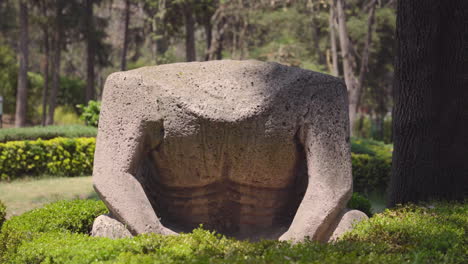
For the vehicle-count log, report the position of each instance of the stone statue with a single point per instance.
(247, 148)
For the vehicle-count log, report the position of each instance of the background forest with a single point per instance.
(61, 51)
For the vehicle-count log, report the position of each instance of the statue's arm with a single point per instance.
(121, 142)
(325, 138)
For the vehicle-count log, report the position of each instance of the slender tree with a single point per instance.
(430, 120)
(90, 33)
(57, 41)
(46, 40)
(354, 78)
(23, 54)
(332, 28)
(189, 22)
(123, 64)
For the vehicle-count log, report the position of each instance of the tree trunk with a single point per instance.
(123, 65)
(22, 93)
(57, 46)
(353, 83)
(189, 33)
(334, 51)
(430, 123)
(208, 33)
(46, 72)
(90, 52)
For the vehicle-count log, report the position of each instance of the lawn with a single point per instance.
(23, 195)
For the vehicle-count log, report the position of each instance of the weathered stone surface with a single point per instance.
(106, 226)
(346, 221)
(250, 149)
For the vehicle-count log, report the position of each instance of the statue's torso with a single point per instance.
(228, 157)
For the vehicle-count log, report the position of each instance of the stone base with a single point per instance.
(346, 222)
(106, 226)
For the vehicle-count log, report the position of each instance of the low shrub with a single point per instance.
(59, 156)
(90, 113)
(410, 234)
(47, 132)
(74, 157)
(370, 173)
(2, 213)
(75, 216)
(361, 203)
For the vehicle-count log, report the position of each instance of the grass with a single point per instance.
(27, 194)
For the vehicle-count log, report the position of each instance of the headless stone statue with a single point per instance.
(249, 149)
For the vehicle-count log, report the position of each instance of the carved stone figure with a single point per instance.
(247, 148)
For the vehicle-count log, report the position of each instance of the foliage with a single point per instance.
(59, 156)
(71, 91)
(8, 78)
(371, 162)
(75, 216)
(66, 115)
(74, 157)
(436, 232)
(2, 213)
(410, 234)
(370, 173)
(47, 132)
(91, 112)
(361, 203)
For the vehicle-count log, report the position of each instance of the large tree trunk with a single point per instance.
(189, 33)
(56, 57)
(430, 123)
(22, 92)
(123, 65)
(90, 52)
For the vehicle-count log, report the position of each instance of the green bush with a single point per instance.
(74, 157)
(361, 203)
(370, 173)
(410, 234)
(372, 163)
(75, 216)
(59, 156)
(90, 113)
(2, 213)
(47, 132)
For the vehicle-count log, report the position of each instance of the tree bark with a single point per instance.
(22, 92)
(430, 120)
(334, 51)
(57, 46)
(208, 32)
(123, 65)
(353, 83)
(46, 67)
(189, 33)
(216, 47)
(90, 52)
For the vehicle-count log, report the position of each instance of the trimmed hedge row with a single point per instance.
(74, 157)
(410, 234)
(47, 132)
(59, 156)
(2, 213)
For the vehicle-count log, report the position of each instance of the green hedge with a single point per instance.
(47, 132)
(371, 160)
(59, 156)
(410, 234)
(61, 217)
(2, 213)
